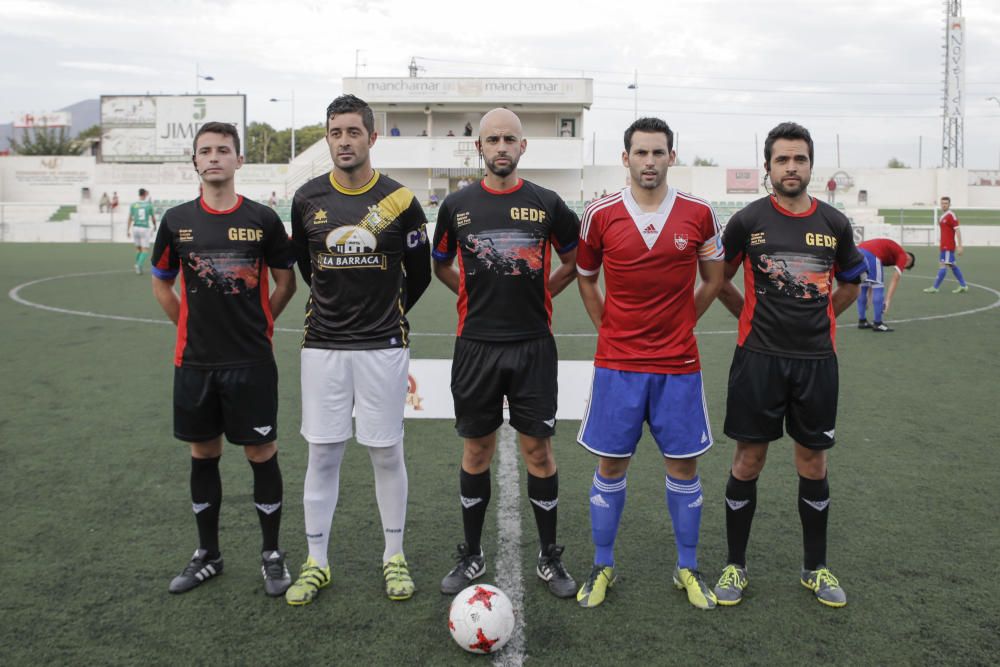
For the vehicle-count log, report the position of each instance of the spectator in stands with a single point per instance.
(114, 201)
(423, 133)
(272, 201)
(831, 190)
(468, 130)
(105, 203)
(394, 132)
(433, 199)
(450, 133)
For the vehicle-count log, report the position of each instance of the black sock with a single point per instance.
(741, 503)
(267, 495)
(814, 503)
(206, 499)
(543, 492)
(475, 490)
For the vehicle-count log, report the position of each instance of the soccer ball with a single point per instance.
(481, 619)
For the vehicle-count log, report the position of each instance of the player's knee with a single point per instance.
(682, 468)
(749, 462)
(261, 453)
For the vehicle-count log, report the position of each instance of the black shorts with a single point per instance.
(482, 373)
(765, 390)
(240, 402)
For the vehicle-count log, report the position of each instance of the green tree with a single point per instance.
(260, 142)
(895, 163)
(704, 162)
(52, 141)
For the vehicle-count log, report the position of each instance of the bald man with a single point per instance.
(503, 227)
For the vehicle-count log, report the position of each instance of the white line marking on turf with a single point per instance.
(15, 294)
(508, 570)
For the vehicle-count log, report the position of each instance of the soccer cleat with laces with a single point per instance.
(198, 571)
(551, 570)
(398, 583)
(881, 327)
(698, 592)
(306, 587)
(593, 592)
(825, 586)
(931, 290)
(960, 289)
(276, 577)
(469, 566)
(863, 324)
(729, 590)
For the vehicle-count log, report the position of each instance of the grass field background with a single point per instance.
(929, 216)
(97, 512)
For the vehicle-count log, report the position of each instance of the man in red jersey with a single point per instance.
(652, 241)
(951, 249)
(784, 368)
(503, 231)
(225, 378)
(878, 254)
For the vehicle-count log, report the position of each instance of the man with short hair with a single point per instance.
(951, 249)
(652, 241)
(361, 243)
(784, 368)
(141, 225)
(225, 379)
(503, 230)
(880, 253)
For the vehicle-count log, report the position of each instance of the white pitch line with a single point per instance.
(508, 569)
(15, 294)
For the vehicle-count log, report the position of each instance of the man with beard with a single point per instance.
(785, 365)
(652, 241)
(361, 243)
(503, 228)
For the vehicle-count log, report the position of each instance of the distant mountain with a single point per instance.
(84, 114)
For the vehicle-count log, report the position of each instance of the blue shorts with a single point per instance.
(874, 264)
(620, 401)
(948, 257)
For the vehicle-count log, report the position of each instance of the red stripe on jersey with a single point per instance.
(463, 296)
(442, 246)
(182, 321)
(209, 209)
(514, 188)
(784, 211)
(164, 263)
(749, 303)
(831, 314)
(265, 298)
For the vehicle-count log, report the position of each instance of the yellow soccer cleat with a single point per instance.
(398, 583)
(306, 587)
(825, 586)
(729, 590)
(592, 593)
(698, 592)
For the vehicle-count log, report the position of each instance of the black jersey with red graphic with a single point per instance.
(789, 262)
(222, 258)
(503, 241)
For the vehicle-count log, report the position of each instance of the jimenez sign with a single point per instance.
(161, 128)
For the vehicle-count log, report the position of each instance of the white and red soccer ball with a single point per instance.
(481, 619)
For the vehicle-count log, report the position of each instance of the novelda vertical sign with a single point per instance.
(161, 128)
(956, 67)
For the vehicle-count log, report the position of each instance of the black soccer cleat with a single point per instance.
(469, 566)
(551, 570)
(276, 576)
(863, 324)
(198, 571)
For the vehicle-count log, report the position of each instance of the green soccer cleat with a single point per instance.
(825, 586)
(729, 590)
(698, 592)
(931, 290)
(960, 289)
(306, 587)
(398, 583)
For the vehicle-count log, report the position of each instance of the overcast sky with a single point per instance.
(718, 71)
